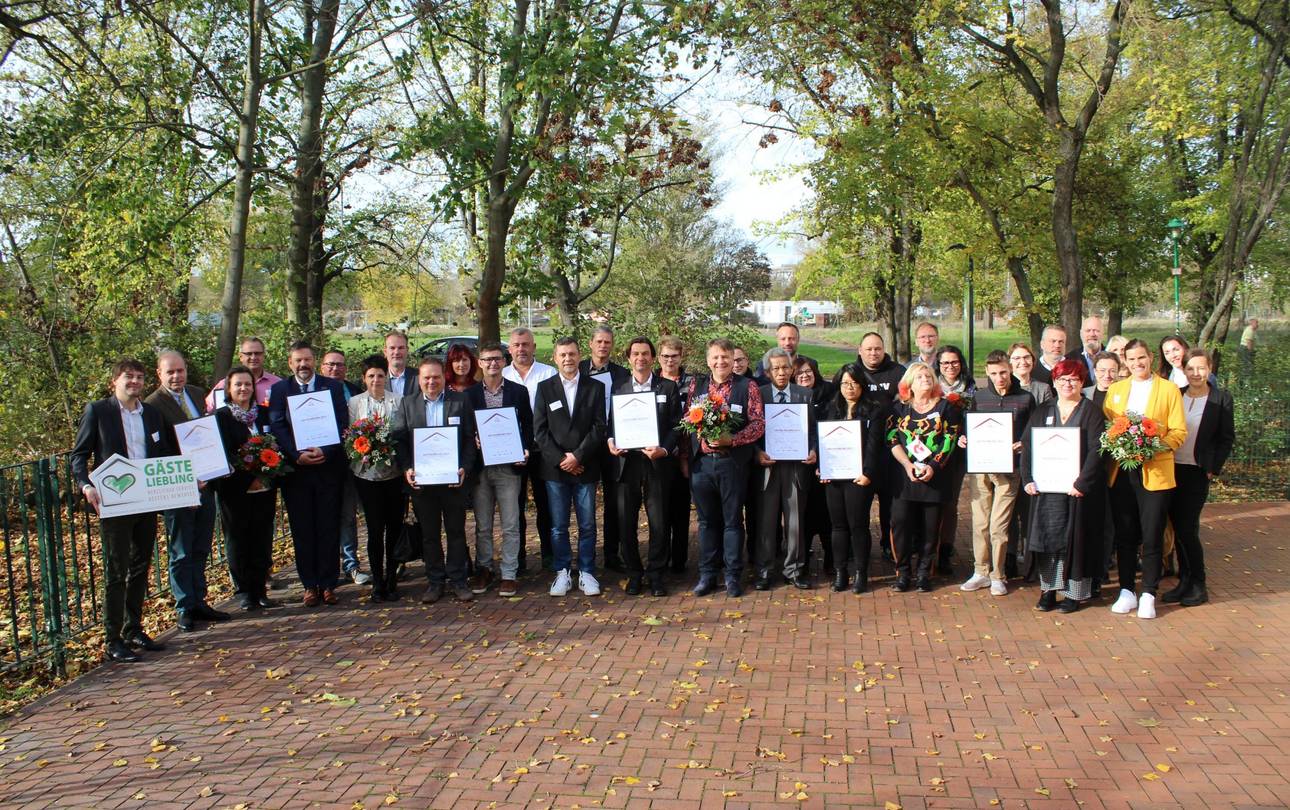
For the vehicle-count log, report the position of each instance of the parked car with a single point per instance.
(439, 347)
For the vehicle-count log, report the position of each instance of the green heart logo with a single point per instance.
(119, 483)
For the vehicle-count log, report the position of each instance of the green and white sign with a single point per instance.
(130, 486)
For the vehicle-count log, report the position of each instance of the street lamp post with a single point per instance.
(1176, 227)
(969, 307)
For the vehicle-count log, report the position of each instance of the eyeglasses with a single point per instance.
(950, 364)
(1067, 381)
(849, 384)
(251, 354)
(1021, 358)
(484, 360)
(666, 356)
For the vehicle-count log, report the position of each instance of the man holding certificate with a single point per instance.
(434, 441)
(786, 455)
(642, 443)
(598, 366)
(306, 415)
(993, 442)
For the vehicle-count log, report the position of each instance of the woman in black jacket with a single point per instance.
(1211, 433)
(246, 503)
(849, 502)
(817, 508)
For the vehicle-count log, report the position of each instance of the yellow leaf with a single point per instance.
(1163, 768)
(521, 771)
(204, 792)
(1151, 777)
(891, 806)
(1042, 791)
(41, 763)
(391, 799)
(120, 763)
(729, 794)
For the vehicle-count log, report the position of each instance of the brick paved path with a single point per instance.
(787, 698)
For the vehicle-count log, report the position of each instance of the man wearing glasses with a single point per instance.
(251, 355)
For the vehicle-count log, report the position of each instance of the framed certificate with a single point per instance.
(989, 443)
(434, 455)
(786, 432)
(499, 436)
(841, 454)
(313, 422)
(199, 441)
(635, 422)
(1054, 455)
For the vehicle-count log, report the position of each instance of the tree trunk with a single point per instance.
(490, 281)
(248, 121)
(1114, 322)
(1064, 240)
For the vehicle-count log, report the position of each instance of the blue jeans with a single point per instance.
(718, 483)
(349, 526)
(190, 532)
(583, 499)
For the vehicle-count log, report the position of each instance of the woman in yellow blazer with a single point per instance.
(1140, 498)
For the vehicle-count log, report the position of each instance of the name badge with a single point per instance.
(1048, 420)
(454, 420)
(737, 408)
(156, 437)
(555, 406)
(660, 397)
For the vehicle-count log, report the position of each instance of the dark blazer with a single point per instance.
(667, 410)
(170, 410)
(412, 415)
(1217, 432)
(409, 377)
(234, 434)
(797, 395)
(101, 435)
(555, 433)
(514, 396)
(280, 417)
(617, 373)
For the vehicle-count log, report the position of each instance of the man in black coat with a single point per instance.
(596, 366)
(881, 385)
(569, 430)
(646, 472)
(312, 491)
(784, 484)
(440, 508)
(123, 425)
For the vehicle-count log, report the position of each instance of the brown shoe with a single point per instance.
(311, 597)
(481, 582)
(329, 597)
(433, 594)
(508, 588)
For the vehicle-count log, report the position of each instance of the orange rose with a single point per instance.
(362, 445)
(695, 416)
(270, 457)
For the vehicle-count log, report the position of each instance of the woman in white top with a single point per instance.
(1172, 350)
(380, 490)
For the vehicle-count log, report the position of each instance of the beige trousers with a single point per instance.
(993, 497)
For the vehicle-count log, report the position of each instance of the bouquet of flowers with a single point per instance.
(961, 401)
(1131, 440)
(711, 419)
(367, 441)
(261, 457)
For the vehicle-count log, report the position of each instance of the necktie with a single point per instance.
(781, 397)
(186, 406)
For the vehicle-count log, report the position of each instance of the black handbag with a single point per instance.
(408, 545)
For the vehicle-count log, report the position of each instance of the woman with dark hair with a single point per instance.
(822, 391)
(817, 509)
(461, 367)
(1210, 436)
(1066, 527)
(1022, 359)
(1140, 497)
(380, 487)
(1172, 350)
(955, 378)
(849, 502)
(246, 503)
(922, 433)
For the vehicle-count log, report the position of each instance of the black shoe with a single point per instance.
(377, 595)
(266, 602)
(1196, 595)
(462, 592)
(433, 594)
(705, 587)
(801, 582)
(615, 563)
(1097, 590)
(656, 588)
(733, 588)
(861, 584)
(185, 621)
(924, 585)
(1047, 601)
(945, 567)
(210, 614)
(142, 641)
(840, 582)
(1175, 594)
(118, 651)
(248, 603)
(902, 585)
(762, 583)
(677, 568)
(1068, 606)
(276, 584)
(633, 586)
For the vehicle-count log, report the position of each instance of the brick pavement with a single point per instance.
(785, 698)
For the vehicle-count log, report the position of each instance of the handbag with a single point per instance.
(408, 545)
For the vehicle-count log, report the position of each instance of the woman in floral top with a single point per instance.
(922, 432)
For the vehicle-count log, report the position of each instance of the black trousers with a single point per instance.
(849, 508)
(1184, 510)
(384, 505)
(678, 521)
(643, 482)
(248, 539)
(818, 522)
(127, 553)
(542, 508)
(313, 499)
(949, 521)
(1139, 523)
(915, 524)
(441, 511)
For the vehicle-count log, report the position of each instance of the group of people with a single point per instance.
(754, 511)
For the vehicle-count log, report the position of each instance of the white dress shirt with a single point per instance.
(643, 387)
(537, 373)
(571, 390)
(136, 444)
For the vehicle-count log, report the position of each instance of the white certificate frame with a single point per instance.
(841, 447)
(218, 398)
(199, 440)
(436, 455)
(787, 431)
(1054, 458)
(135, 486)
(989, 442)
(635, 421)
(313, 420)
(499, 436)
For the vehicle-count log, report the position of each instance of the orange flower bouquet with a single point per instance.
(367, 441)
(261, 457)
(1131, 440)
(711, 419)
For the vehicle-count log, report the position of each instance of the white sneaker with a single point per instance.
(360, 577)
(562, 583)
(1146, 606)
(998, 587)
(975, 583)
(588, 584)
(1126, 603)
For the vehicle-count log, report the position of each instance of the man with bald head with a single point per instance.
(1090, 335)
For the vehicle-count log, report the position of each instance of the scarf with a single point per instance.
(246, 417)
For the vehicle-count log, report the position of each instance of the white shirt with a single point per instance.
(537, 373)
(306, 386)
(643, 387)
(775, 392)
(1193, 410)
(570, 390)
(136, 445)
(1178, 377)
(1139, 394)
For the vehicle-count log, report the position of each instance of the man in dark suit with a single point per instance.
(596, 365)
(189, 530)
(784, 484)
(1052, 350)
(333, 367)
(671, 359)
(403, 379)
(312, 492)
(787, 336)
(440, 508)
(569, 430)
(498, 486)
(121, 424)
(649, 471)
